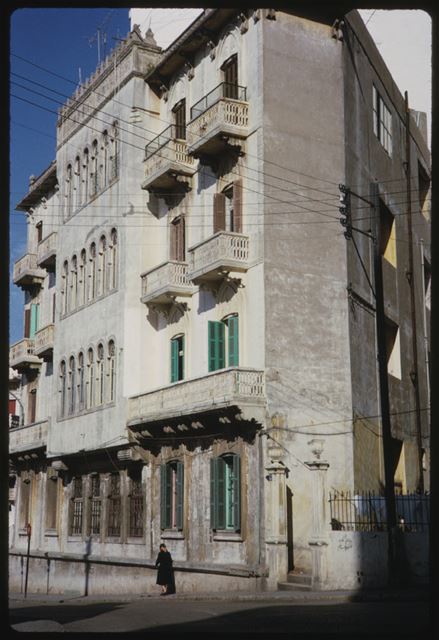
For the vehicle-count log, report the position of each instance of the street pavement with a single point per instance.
(381, 613)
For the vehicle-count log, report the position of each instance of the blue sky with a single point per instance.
(45, 42)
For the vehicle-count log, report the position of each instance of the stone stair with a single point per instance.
(296, 581)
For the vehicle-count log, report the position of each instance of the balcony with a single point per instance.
(27, 273)
(22, 355)
(44, 340)
(218, 121)
(191, 401)
(32, 436)
(215, 257)
(46, 252)
(168, 166)
(161, 285)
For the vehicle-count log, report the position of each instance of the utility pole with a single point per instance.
(384, 392)
(411, 279)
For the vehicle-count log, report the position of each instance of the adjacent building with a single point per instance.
(199, 364)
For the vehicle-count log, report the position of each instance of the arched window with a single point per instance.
(104, 160)
(69, 190)
(77, 187)
(81, 389)
(114, 152)
(82, 289)
(90, 379)
(85, 176)
(65, 289)
(94, 173)
(111, 371)
(63, 388)
(100, 383)
(112, 266)
(74, 284)
(102, 266)
(92, 273)
(72, 388)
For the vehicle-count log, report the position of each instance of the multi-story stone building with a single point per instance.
(209, 372)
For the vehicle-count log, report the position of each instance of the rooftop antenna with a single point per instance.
(101, 36)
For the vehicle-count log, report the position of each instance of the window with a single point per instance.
(223, 337)
(179, 111)
(105, 159)
(34, 319)
(85, 178)
(114, 505)
(177, 358)
(51, 498)
(114, 153)
(27, 323)
(112, 264)
(111, 371)
(393, 349)
(382, 121)
(25, 495)
(63, 388)
(95, 504)
(72, 387)
(102, 266)
(177, 248)
(32, 407)
(387, 233)
(230, 75)
(74, 284)
(100, 383)
(77, 182)
(92, 274)
(81, 389)
(65, 289)
(82, 291)
(77, 507)
(69, 190)
(136, 509)
(90, 379)
(227, 209)
(171, 495)
(39, 228)
(424, 189)
(225, 493)
(94, 177)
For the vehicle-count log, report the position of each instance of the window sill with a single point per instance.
(172, 535)
(51, 533)
(87, 304)
(226, 536)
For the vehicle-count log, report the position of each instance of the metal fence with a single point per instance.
(366, 511)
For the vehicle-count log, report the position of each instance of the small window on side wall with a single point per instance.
(177, 358)
(382, 121)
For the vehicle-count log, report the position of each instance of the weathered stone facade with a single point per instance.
(208, 374)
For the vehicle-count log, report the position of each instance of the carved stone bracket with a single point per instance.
(167, 308)
(215, 286)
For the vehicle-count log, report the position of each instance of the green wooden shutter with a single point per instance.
(233, 340)
(237, 492)
(34, 313)
(220, 495)
(180, 495)
(213, 493)
(216, 345)
(174, 360)
(165, 496)
(181, 359)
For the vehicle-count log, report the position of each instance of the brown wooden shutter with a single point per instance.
(237, 206)
(26, 323)
(181, 251)
(219, 212)
(32, 405)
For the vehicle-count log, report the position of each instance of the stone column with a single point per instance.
(276, 517)
(319, 538)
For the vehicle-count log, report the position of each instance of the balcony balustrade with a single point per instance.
(223, 252)
(165, 282)
(242, 388)
(27, 273)
(46, 252)
(44, 340)
(168, 165)
(217, 120)
(28, 437)
(22, 355)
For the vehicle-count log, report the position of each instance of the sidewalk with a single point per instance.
(411, 594)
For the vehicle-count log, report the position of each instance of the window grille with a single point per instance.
(114, 506)
(95, 505)
(136, 509)
(78, 507)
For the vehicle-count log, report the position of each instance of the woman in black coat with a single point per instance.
(165, 573)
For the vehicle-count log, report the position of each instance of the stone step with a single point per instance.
(299, 578)
(293, 586)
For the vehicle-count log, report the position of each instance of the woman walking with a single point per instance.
(165, 574)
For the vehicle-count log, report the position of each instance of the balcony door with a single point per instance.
(230, 75)
(177, 248)
(180, 119)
